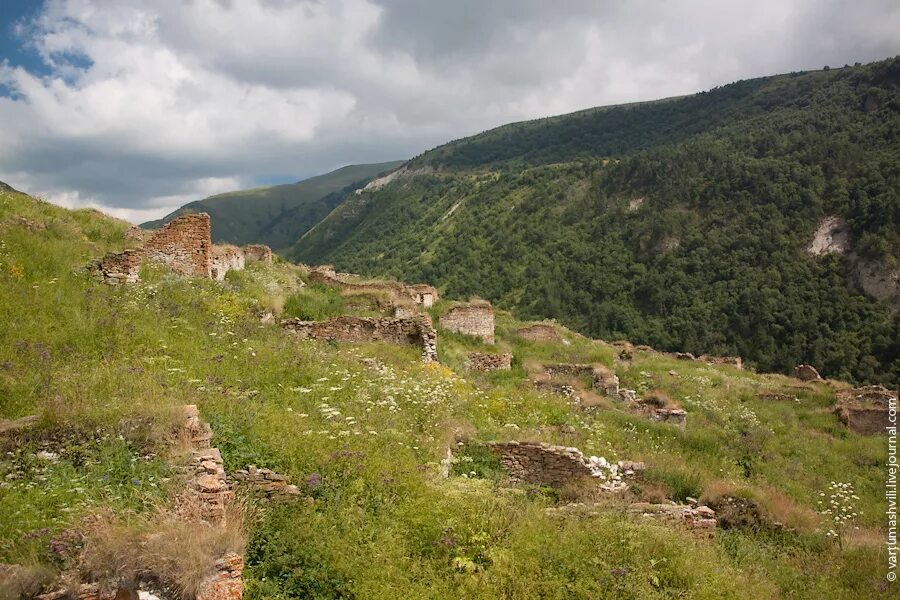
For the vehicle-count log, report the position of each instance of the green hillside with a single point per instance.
(279, 214)
(89, 487)
(682, 224)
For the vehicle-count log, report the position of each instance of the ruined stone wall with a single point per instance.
(482, 361)
(602, 379)
(735, 361)
(183, 244)
(265, 481)
(227, 583)
(541, 464)
(471, 319)
(116, 268)
(557, 466)
(257, 253)
(208, 484)
(865, 421)
(423, 294)
(225, 258)
(865, 410)
(417, 331)
(539, 332)
(209, 487)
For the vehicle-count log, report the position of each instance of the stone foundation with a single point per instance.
(735, 361)
(865, 410)
(116, 268)
(266, 482)
(417, 331)
(539, 332)
(695, 517)
(422, 294)
(557, 466)
(476, 319)
(602, 379)
(482, 361)
(674, 416)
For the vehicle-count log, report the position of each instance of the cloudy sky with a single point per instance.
(138, 106)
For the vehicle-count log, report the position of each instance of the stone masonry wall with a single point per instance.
(265, 481)
(865, 410)
(557, 466)
(116, 268)
(482, 361)
(257, 253)
(225, 258)
(417, 331)
(475, 319)
(421, 293)
(184, 244)
(539, 332)
(209, 486)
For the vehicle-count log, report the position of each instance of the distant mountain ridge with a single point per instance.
(278, 215)
(683, 223)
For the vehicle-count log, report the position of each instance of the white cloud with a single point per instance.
(150, 104)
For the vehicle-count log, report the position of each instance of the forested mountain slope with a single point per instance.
(683, 224)
(279, 214)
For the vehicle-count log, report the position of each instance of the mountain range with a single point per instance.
(277, 215)
(701, 223)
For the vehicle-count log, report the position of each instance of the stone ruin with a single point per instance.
(257, 253)
(417, 331)
(866, 410)
(475, 319)
(207, 489)
(209, 486)
(225, 258)
(558, 466)
(806, 373)
(693, 515)
(539, 332)
(673, 416)
(421, 294)
(266, 482)
(638, 406)
(735, 361)
(183, 245)
(484, 361)
(602, 379)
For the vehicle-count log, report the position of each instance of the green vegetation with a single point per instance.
(361, 429)
(682, 224)
(279, 214)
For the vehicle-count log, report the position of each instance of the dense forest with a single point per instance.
(682, 223)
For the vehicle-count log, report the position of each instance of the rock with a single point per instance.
(806, 373)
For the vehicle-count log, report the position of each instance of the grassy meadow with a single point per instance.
(362, 430)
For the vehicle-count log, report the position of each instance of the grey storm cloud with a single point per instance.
(151, 104)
